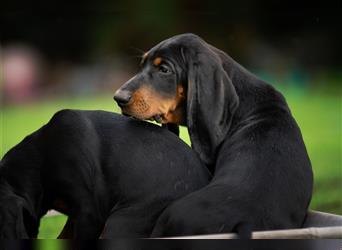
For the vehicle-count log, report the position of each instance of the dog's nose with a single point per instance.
(122, 97)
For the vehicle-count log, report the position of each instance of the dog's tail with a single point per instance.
(243, 230)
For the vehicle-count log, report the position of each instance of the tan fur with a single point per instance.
(145, 55)
(157, 61)
(144, 58)
(147, 103)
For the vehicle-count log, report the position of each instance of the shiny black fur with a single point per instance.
(243, 130)
(90, 165)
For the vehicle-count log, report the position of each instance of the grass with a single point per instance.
(318, 115)
(49, 224)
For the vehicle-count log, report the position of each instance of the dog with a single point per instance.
(240, 127)
(111, 175)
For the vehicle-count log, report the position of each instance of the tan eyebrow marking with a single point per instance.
(157, 61)
(145, 56)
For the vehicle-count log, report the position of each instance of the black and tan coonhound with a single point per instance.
(240, 127)
(91, 165)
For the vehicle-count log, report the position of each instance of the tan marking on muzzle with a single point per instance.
(147, 103)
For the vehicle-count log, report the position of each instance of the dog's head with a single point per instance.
(157, 91)
(182, 81)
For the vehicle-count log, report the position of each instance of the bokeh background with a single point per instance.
(62, 55)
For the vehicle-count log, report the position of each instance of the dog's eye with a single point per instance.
(164, 69)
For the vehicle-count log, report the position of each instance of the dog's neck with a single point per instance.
(181, 113)
(254, 94)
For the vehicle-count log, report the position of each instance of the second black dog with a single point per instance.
(92, 164)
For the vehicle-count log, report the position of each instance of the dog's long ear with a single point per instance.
(211, 102)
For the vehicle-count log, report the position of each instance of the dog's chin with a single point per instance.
(157, 118)
(125, 114)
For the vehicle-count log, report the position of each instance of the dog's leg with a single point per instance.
(243, 230)
(68, 230)
(88, 226)
(128, 223)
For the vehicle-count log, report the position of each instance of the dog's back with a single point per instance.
(95, 163)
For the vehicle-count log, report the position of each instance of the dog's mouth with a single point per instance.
(159, 118)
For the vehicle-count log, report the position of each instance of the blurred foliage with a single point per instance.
(79, 32)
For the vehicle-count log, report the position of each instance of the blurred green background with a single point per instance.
(61, 55)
